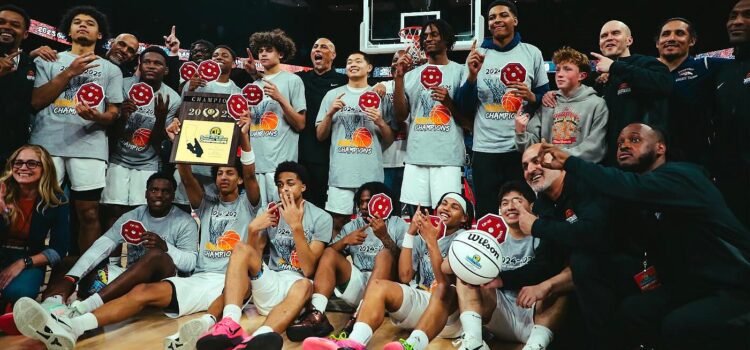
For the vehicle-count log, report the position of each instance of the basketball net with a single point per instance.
(410, 35)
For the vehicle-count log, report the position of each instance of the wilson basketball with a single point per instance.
(475, 257)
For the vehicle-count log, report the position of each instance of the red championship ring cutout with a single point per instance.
(437, 221)
(132, 231)
(90, 94)
(188, 69)
(141, 94)
(275, 210)
(494, 225)
(431, 77)
(380, 204)
(253, 93)
(369, 100)
(236, 106)
(513, 73)
(209, 70)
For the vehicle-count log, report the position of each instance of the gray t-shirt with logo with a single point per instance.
(363, 255)
(58, 127)
(423, 273)
(223, 224)
(134, 150)
(318, 226)
(434, 137)
(356, 154)
(273, 139)
(176, 228)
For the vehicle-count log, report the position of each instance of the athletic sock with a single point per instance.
(210, 319)
(361, 333)
(92, 303)
(539, 338)
(233, 311)
(262, 330)
(471, 322)
(319, 302)
(83, 323)
(418, 340)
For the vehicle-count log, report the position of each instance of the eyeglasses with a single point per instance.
(31, 164)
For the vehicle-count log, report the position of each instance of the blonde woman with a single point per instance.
(32, 207)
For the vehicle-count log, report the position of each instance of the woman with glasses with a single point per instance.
(32, 207)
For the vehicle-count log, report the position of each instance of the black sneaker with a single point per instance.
(314, 324)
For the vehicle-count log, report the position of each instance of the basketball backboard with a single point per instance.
(382, 20)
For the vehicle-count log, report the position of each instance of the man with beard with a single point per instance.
(690, 107)
(72, 131)
(123, 53)
(313, 154)
(137, 135)
(732, 153)
(17, 73)
(696, 257)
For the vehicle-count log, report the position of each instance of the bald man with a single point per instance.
(122, 52)
(313, 154)
(694, 291)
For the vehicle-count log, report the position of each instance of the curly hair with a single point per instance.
(100, 18)
(567, 54)
(277, 39)
(291, 167)
(445, 30)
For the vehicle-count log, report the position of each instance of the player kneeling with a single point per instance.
(420, 275)
(373, 244)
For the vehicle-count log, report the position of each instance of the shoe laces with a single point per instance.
(341, 336)
(405, 345)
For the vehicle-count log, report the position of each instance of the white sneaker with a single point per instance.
(55, 308)
(187, 335)
(467, 342)
(33, 321)
(74, 310)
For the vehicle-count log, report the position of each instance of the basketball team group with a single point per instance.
(460, 200)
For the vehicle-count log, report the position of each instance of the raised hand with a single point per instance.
(522, 120)
(603, 62)
(81, 63)
(195, 82)
(474, 61)
(552, 157)
(248, 64)
(291, 211)
(525, 219)
(337, 104)
(173, 129)
(7, 64)
(127, 108)
(172, 43)
(161, 107)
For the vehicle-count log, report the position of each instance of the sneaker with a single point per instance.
(7, 326)
(401, 344)
(75, 309)
(226, 334)
(35, 322)
(187, 335)
(265, 341)
(312, 324)
(330, 344)
(467, 342)
(55, 308)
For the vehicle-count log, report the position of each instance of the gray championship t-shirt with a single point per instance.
(393, 156)
(423, 274)
(223, 224)
(134, 150)
(273, 139)
(434, 137)
(176, 228)
(58, 127)
(363, 255)
(494, 127)
(356, 154)
(318, 226)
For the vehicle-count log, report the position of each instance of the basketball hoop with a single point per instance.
(410, 35)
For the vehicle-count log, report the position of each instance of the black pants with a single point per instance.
(720, 320)
(317, 190)
(491, 171)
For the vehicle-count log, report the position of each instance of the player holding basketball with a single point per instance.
(224, 223)
(502, 71)
(280, 116)
(422, 280)
(297, 232)
(372, 243)
(423, 97)
(351, 115)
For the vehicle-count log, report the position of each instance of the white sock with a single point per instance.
(56, 299)
(263, 330)
(361, 333)
(233, 311)
(418, 340)
(210, 319)
(471, 322)
(319, 302)
(85, 322)
(539, 338)
(92, 303)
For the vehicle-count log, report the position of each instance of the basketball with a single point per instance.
(511, 103)
(475, 257)
(269, 121)
(141, 137)
(228, 240)
(440, 115)
(361, 137)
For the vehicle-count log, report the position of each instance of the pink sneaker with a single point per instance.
(330, 344)
(398, 345)
(226, 334)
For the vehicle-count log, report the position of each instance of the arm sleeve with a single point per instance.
(114, 86)
(184, 261)
(98, 251)
(185, 251)
(324, 106)
(42, 74)
(546, 263)
(323, 228)
(651, 78)
(594, 147)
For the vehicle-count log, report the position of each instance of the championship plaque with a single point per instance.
(208, 133)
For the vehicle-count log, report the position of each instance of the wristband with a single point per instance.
(408, 241)
(247, 158)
